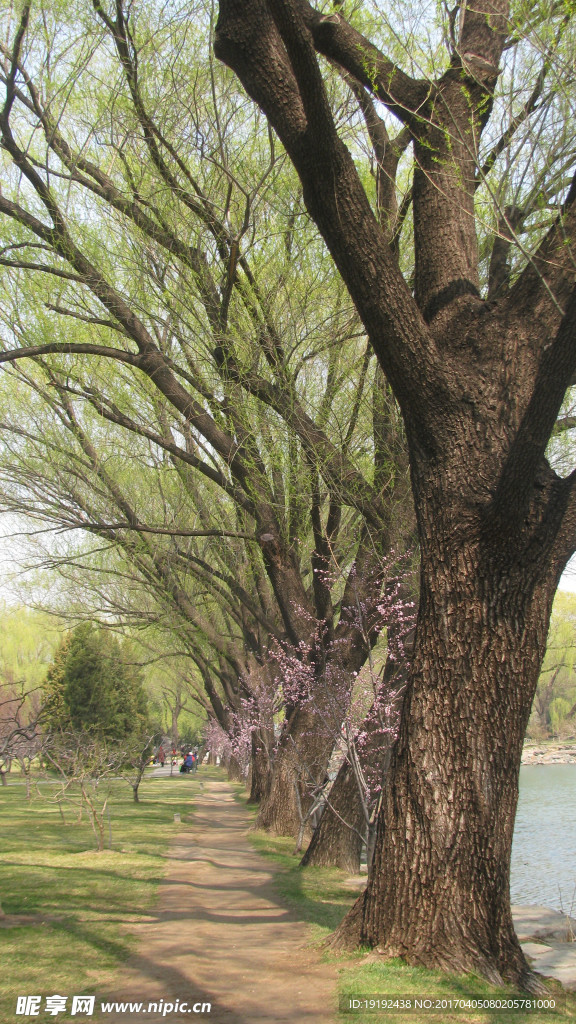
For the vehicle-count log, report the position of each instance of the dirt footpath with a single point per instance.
(220, 936)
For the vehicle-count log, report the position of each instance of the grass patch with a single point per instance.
(393, 979)
(321, 897)
(316, 894)
(77, 901)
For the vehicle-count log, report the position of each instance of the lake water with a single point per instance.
(544, 848)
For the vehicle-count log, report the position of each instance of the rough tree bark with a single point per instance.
(301, 762)
(234, 769)
(343, 827)
(453, 864)
(480, 386)
(262, 742)
(312, 727)
(337, 840)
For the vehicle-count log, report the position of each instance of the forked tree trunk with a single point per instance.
(439, 892)
(480, 385)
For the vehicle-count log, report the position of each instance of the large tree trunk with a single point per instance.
(235, 773)
(299, 768)
(310, 733)
(480, 387)
(260, 769)
(439, 892)
(337, 841)
(343, 827)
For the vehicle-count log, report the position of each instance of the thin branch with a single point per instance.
(68, 348)
(173, 532)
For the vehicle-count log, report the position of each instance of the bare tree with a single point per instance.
(135, 759)
(85, 768)
(20, 728)
(20, 731)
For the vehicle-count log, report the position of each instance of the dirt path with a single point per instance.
(220, 936)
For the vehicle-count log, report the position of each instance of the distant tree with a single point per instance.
(91, 686)
(20, 726)
(54, 703)
(28, 638)
(555, 698)
(559, 711)
(19, 730)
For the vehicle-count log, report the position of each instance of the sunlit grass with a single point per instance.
(321, 897)
(316, 893)
(393, 979)
(76, 902)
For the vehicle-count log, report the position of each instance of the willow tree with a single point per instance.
(170, 289)
(480, 366)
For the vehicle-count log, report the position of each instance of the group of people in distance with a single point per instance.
(189, 762)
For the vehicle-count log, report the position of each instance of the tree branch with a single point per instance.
(68, 348)
(248, 41)
(334, 38)
(526, 456)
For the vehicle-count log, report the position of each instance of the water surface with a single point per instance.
(544, 848)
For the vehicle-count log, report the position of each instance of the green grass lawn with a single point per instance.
(77, 900)
(321, 896)
(78, 905)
